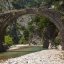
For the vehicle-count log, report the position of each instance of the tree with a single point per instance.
(13, 31)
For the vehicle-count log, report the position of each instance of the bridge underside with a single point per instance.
(10, 16)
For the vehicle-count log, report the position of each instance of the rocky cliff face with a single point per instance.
(23, 21)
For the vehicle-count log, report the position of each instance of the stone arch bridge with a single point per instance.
(9, 16)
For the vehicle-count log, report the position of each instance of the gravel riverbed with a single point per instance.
(40, 57)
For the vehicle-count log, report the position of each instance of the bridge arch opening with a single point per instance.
(54, 17)
(51, 30)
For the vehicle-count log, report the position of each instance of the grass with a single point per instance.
(19, 52)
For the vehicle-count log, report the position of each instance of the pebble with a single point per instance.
(41, 57)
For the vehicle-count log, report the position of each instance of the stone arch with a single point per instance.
(54, 16)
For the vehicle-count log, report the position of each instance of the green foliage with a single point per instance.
(57, 40)
(8, 40)
(25, 37)
(42, 22)
(14, 32)
(26, 34)
(22, 40)
(30, 27)
(26, 3)
(17, 4)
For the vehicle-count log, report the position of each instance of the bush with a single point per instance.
(8, 40)
(22, 40)
(57, 41)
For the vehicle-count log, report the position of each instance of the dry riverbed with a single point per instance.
(41, 57)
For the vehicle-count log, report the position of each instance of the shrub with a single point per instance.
(57, 41)
(8, 40)
(22, 40)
